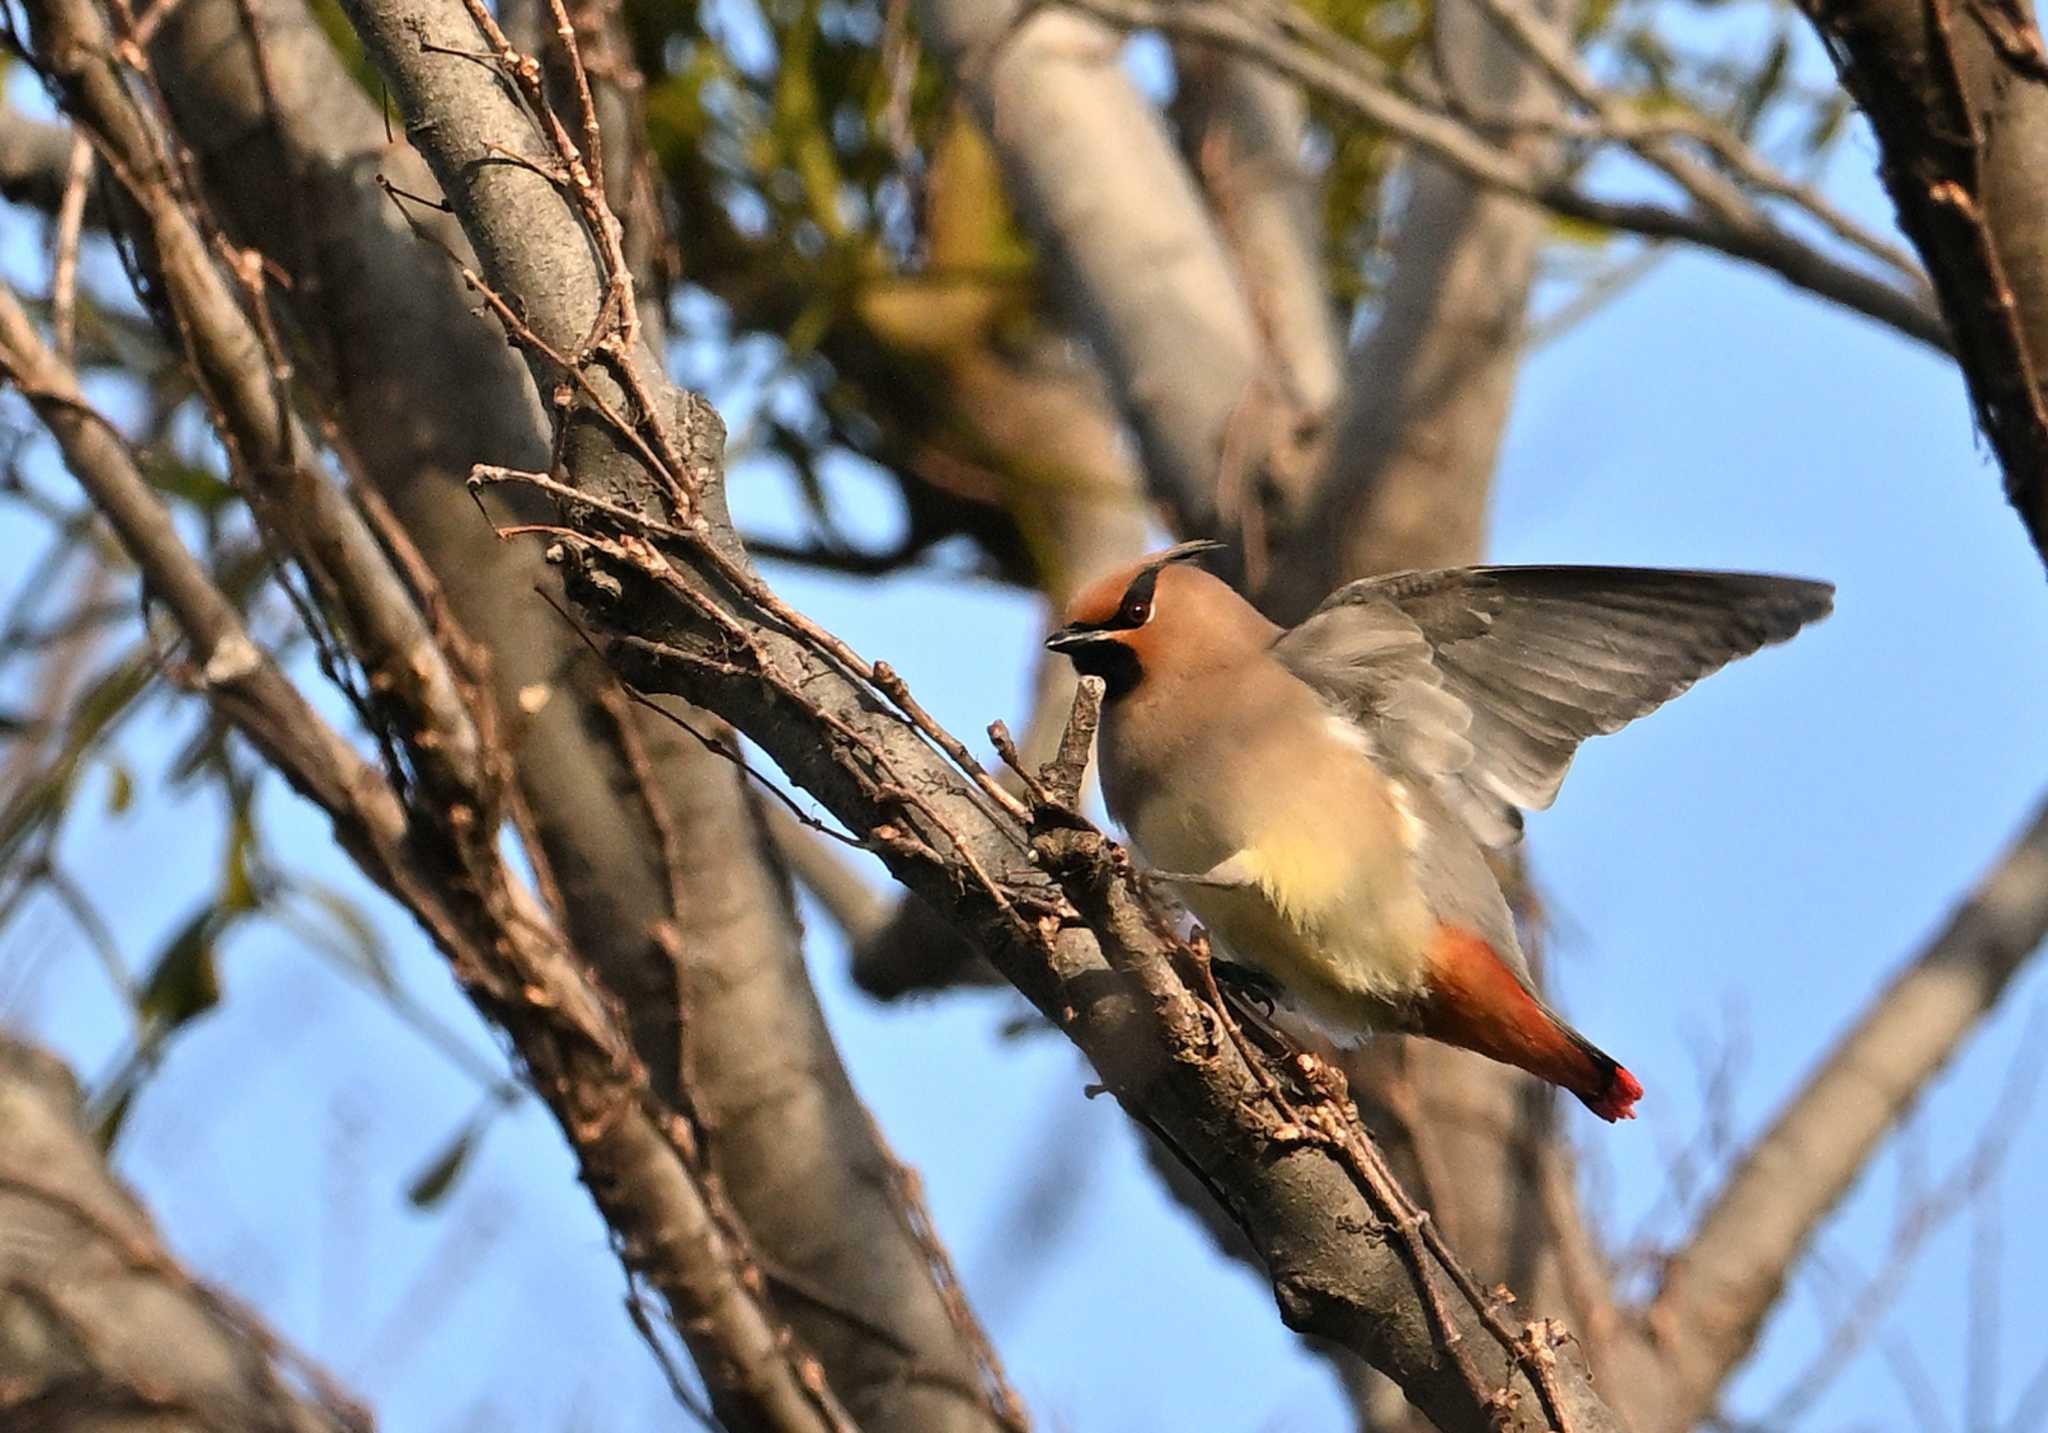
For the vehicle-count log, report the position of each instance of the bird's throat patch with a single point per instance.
(1112, 661)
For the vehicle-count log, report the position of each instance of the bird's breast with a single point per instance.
(1333, 910)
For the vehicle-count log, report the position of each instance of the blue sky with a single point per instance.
(1738, 872)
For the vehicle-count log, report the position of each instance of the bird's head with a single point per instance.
(1156, 615)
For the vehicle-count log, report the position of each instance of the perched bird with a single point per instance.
(1324, 797)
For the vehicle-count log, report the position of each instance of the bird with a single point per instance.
(1324, 798)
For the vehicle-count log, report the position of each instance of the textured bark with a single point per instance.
(1324, 62)
(1410, 465)
(1081, 510)
(1957, 92)
(693, 928)
(1245, 131)
(101, 1330)
(700, 622)
(448, 869)
(1096, 179)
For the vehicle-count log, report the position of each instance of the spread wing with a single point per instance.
(1484, 680)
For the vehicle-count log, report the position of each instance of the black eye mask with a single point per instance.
(1136, 608)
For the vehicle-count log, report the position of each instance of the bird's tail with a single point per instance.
(1476, 1002)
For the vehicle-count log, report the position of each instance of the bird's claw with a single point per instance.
(1253, 984)
(1219, 878)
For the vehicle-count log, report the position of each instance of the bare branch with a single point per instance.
(703, 625)
(1862, 1309)
(1654, 139)
(1352, 80)
(693, 931)
(1409, 469)
(1246, 131)
(1957, 92)
(1083, 503)
(242, 374)
(1079, 144)
(1717, 1289)
(639, 1160)
(100, 1317)
(78, 169)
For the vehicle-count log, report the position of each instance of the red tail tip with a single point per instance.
(1618, 1100)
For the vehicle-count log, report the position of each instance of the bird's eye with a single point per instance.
(1137, 612)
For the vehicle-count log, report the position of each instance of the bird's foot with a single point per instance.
(1248, 981)
(1227, 875)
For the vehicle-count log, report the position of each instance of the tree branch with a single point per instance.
(1409, 469)
(98, 1317)
(1717, 1290)
(240, 372)
(1957, 92)
(1245, 131)
(1350, 79)
(1087, 951)
(444, 864)
(1080, 503)
(1149, 286)
(669, 885)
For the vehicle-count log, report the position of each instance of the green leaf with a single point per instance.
(42, 800)
(367, 946)
(120, 788)
(237, 886)
(184, 982)
(1827, 123)
(204, 490)
(432, 1184)
(1763, 86)
(108, 1128)
(204, 756)
(1568, 230)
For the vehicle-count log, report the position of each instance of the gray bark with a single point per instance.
(101, 1329)
(1410, 464)
(725, 641)
(448, 869)
(722, 1012)
(1958, 98)
(1095, 176)
(1245, 131)
(1341, 71)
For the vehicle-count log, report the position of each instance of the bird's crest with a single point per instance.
(1110, 602)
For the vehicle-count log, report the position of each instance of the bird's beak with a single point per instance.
(1068, 639)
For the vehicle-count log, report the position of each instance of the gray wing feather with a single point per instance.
(1484, 680)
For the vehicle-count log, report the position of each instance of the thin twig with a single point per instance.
(64, 273)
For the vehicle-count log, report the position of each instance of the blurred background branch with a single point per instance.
(103, 1327)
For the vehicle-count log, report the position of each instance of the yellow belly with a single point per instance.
(1333, 912)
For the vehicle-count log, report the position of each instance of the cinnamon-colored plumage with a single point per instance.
(1324, 797)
